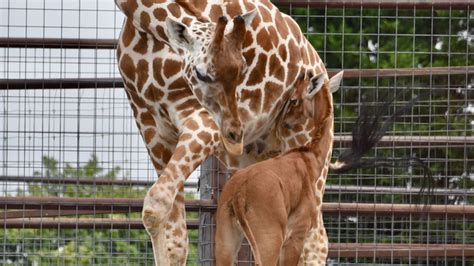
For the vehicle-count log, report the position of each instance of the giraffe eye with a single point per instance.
(244, 65)
(203, 77)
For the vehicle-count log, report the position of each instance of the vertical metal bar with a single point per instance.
(377, 79)
(465, 151)
(428, 222)
(208, 189)
(448, 115)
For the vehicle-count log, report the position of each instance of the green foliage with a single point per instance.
(83, 246)
(404, 39)
(91, 169)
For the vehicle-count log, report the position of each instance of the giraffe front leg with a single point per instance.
(176, 234)
(163, 209)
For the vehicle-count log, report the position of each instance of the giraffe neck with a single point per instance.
(319, 150)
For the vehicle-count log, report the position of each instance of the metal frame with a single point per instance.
(37, 212)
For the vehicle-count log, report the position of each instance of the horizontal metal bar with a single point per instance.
(112, 204)
(83, 181)
(386, 209)
(107, 83)
(83, 83)
(384, 4)
(58, 43)
(135, 205)
(329, 188)
(82, 223)
(336, 189)
(404, 72)
(45, 213)
(351, 250)
(378, 250)
(413, 140)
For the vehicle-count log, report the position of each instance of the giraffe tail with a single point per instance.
(239, 209)
(368, 130)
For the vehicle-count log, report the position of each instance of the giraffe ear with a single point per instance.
(178, 34)
(315, 84)
(335, 82)
(249, 16)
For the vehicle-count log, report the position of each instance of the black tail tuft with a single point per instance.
(368, 130)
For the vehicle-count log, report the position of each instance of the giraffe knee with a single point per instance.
(151, 221)
(155, 211)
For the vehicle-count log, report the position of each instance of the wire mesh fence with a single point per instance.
(74, 168)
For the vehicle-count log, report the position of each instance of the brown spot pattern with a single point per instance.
(205, 137)
(255, 97)
(160, 14)
(195, 147)
(129, 7)
(166, 155)
(192, 125)
(191, 103)
(179, 84)
(179, 152)
(281, 25)
(147, 118)
(215, 13)
(128, 32)
(136, 99)
(128, 67)
(145, 20)
(157, 65)
(157, 150)
(171, 68)
(265, 40)
(272, 92)
(149, 135)
(175, 95)
(142, 73)
(259, 71)
(154, 94)
(177, 232)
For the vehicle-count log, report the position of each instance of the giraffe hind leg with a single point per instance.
(315, 249)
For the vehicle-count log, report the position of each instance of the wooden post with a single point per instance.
(212, 180)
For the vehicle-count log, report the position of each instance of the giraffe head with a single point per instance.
(307, 107)
(214, 65)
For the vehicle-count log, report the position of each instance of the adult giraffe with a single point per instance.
(176, 120)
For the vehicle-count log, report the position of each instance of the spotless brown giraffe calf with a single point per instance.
(276, 202)
(196, 91)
